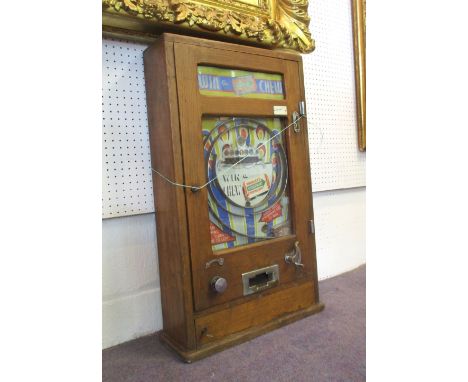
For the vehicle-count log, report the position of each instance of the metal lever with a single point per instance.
(296, 116)
(295, 119)
(218, 260)
(295, 256)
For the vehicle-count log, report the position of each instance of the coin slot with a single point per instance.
(261, 278)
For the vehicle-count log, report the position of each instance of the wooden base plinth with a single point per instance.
(190, 356)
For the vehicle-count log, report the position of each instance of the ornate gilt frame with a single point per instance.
(272, 23)
(359, 27)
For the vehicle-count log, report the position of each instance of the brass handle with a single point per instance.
(295, 256)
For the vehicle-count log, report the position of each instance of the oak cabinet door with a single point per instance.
(255, 202)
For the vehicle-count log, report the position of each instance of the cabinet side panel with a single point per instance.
(169, 200)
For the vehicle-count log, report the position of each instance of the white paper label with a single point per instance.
(280, 110)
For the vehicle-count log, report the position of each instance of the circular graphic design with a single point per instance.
(247, 167)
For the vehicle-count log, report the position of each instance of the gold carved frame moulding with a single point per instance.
(272, 23)
(359, 28)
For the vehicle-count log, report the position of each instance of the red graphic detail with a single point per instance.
(243, 133)
(218, 236)
(273, 213)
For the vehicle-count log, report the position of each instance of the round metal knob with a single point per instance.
(219, 284)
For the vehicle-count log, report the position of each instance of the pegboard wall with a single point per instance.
(330, 95)
(335, 159)
(127, 187)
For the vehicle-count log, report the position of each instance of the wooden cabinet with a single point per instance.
(232, 190)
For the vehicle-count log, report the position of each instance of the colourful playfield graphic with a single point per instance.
(248, 197)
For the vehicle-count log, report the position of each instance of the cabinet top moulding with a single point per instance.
(206, 43)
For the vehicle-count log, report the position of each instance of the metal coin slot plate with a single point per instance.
(260, 279)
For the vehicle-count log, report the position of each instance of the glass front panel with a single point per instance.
(247, 168)
(218, 82)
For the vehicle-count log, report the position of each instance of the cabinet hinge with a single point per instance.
(311, 226)
(301, 108)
